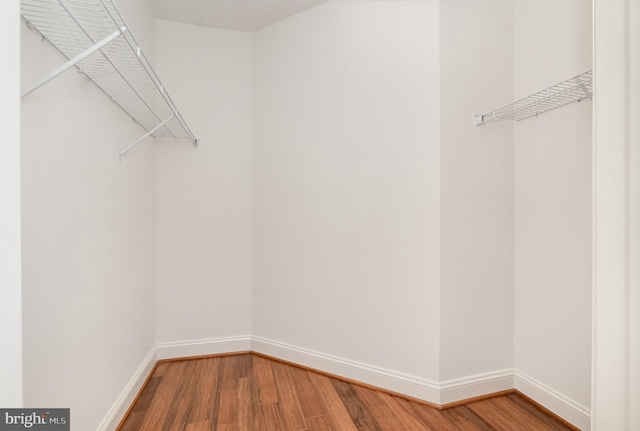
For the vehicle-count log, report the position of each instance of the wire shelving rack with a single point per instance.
(94, 37)
(572, 90)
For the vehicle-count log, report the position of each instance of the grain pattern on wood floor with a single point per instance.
(252, 393)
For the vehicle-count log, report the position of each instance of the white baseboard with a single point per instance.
(211, 346)
(475, 386)
(120, 407)
(437, 393)
(564, 407)
(387, 379)
(413, 386)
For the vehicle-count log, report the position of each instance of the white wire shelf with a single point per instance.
(572, 90)
(95, 38)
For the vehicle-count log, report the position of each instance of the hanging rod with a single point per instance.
(94, 37)
(572, 90)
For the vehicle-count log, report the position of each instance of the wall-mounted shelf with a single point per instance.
(572, 90)
(95, 39)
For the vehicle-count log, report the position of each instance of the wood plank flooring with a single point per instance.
(253, 393)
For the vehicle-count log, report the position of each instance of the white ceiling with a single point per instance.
(241, 15)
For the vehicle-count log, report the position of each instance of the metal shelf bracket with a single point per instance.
(149, 133)
(75, 60)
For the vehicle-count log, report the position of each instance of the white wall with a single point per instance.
(553, 202)
(204, 195)
(88, 238)
(358, 238)
(616, 329)
(10, 246)
(346, 183)
(633, 53)
(476, 189)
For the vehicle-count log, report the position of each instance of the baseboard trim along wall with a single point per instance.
(204, 347)
(453, 391)
(440, 394)
(444, 394)
(128, 395)
(555, 402)
(552, 400)
(387, 379)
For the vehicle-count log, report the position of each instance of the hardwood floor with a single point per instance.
(252, 393)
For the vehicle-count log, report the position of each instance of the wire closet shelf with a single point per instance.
(572, 90)
(95, 38)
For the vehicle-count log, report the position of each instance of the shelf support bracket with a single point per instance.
(149, 133)
(585, 89)
(75, 60)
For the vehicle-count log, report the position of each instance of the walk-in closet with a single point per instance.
(385, 205)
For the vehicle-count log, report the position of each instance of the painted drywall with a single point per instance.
(350, 186)
(10, 245)
(204, 195)
(88, 237)
(616, 337)
(633, 111)
(553, 202)
(476, 189)
(346, 183)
